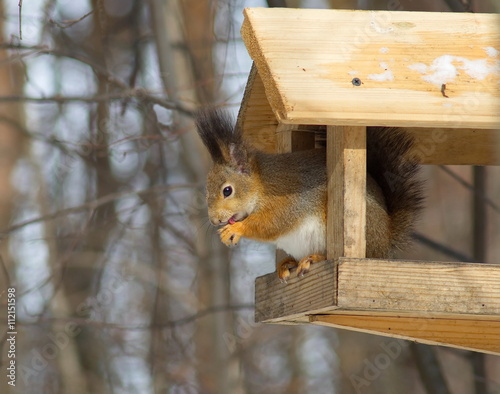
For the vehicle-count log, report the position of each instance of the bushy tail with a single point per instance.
(395, 169)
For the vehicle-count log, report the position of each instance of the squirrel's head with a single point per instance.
(232, 193)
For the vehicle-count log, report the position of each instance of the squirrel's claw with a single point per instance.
(303, 267)
(287, 266)
(305, 264)
(230, 234)
(284, 268)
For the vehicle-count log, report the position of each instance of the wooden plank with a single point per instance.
(412, 314)
(284, 135)
(346, 206)
(456, 146)
(389, 287)
(308, 60)
(419, 286)
(292, 138)
(479, 335)
(313, 293)
(259, 124)
(434, 146)
(256, 117)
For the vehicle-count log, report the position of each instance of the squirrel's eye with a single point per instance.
(227, 191)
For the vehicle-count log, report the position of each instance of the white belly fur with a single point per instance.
(308, 238)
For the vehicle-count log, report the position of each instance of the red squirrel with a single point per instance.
(281, 198)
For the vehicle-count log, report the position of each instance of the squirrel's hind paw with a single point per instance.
(287, 266)
(284, 268)
(305, 263)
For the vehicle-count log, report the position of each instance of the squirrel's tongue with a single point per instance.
(231, 220)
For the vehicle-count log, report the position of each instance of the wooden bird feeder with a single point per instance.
(435, 74)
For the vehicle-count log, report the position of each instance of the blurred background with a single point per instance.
(122, 285)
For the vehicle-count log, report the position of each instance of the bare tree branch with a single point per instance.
(5, 272)
(170, 324)
(69, 23)
(276, 3)
(127, 94)
(126, 91)
(424, 240)
(429, 369)
(456, 6)
(470, 187)
(479, 370)
(479, 251)
(20, 19)
(91, 205)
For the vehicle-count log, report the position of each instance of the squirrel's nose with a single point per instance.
(215, 221)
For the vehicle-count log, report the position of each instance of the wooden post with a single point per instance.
(346, 207)
(290, 138)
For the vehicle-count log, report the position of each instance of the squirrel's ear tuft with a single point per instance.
(223, 141)
(213, 128)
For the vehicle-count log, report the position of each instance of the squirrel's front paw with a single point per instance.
(230, 234)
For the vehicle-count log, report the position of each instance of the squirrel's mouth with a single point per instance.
(236, 218)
